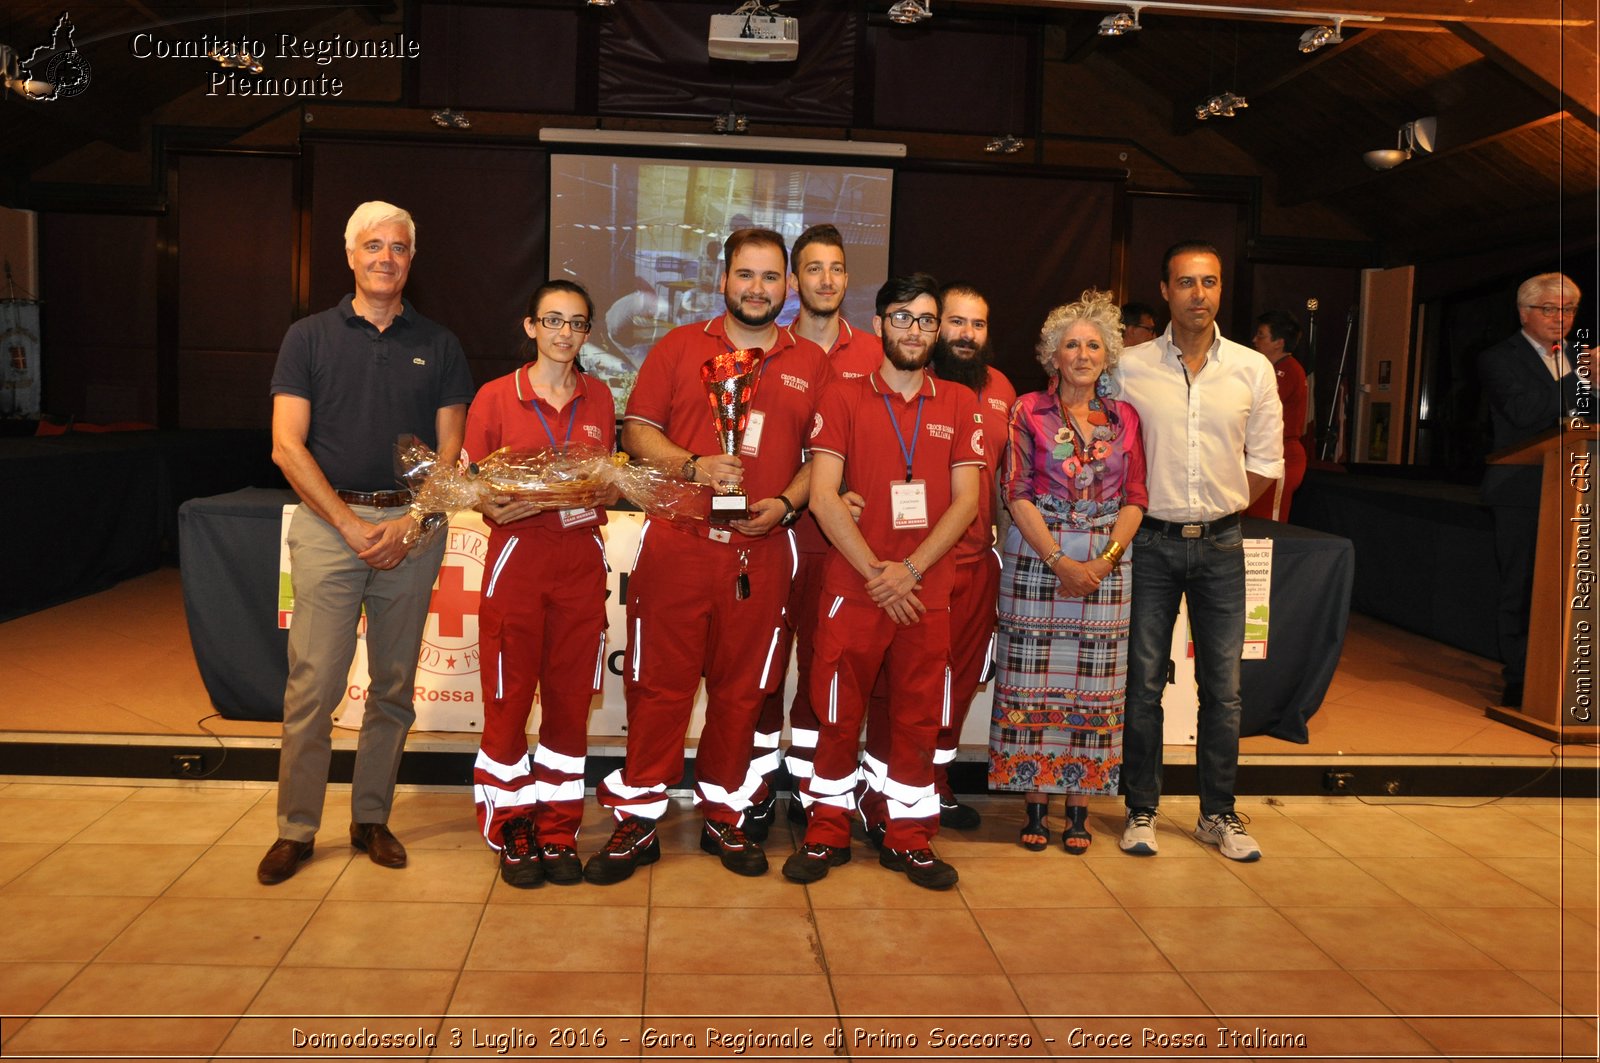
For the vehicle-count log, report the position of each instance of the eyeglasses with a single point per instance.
(904, 318)
(553, 322)
(1551, 310)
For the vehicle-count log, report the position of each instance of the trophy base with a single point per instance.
(726, 509)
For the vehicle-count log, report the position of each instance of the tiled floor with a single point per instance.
(131, 922)
(1449, 929)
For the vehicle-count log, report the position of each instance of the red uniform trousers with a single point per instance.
(541, 623)
(855, 641)
(974, 604)
(684, 620)
(800, 634)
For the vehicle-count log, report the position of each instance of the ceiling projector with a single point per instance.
(756, 37)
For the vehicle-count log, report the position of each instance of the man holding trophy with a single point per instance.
(707, 598)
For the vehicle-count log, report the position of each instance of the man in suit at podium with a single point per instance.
(1530, 380)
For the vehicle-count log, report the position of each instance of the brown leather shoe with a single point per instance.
(282, 861)
(383, 847)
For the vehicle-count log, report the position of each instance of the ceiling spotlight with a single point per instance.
(910, 12)
(1222, 105)
(1414, 138)
(1123, 22)
(731, 122)
(1006, 145)
(445, 118)
(1321, 36)
(602, 3)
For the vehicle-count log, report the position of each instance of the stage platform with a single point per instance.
(106, 687)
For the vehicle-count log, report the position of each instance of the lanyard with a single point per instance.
(916, 432)
(571, 420)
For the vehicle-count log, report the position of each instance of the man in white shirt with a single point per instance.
(1213, 441)
(1529, 380)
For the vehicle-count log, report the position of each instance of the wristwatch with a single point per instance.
(688, 467)
(790, 514)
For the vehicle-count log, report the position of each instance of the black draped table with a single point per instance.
(229, 552)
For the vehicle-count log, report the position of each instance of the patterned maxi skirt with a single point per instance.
(1062, 671)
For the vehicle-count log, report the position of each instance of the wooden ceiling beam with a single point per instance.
(1396, 14)
(1562, 64)
(1331, 187)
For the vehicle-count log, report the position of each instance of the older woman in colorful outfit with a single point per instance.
(1074, 481)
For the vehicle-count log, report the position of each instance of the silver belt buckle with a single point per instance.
(1193, 531)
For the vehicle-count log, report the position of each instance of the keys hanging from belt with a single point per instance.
(741, 583)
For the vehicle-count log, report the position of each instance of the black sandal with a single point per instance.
(1077, 830)
(1035, 828)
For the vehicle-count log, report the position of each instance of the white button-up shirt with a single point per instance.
(1202, 435)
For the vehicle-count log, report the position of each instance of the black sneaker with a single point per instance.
(920, 866)
(758, 817)
(811, 862)
(734, 848)
(632, 844)
(876, 832)
(955, 815)
(561, 864)
(520, 865)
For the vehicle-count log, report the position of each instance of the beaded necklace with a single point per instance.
(1083, 459)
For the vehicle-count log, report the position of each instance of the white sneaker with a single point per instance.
(1227, 833)
(1139, 832)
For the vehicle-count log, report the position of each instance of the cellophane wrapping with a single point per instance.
(575, 478)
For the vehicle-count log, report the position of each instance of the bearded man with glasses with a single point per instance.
(1530, 379)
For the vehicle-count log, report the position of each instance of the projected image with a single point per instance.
(645, 237)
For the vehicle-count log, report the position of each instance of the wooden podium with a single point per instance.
(1560, 700)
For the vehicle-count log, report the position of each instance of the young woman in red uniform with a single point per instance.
(541, 618)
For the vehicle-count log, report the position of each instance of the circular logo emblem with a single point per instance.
(816, 425)
(977, 442)
(450, 637)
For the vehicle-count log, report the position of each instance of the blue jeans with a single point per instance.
(1210, 572)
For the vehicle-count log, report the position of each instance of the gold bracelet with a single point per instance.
(1113, 552)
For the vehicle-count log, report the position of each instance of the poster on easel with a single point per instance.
(19, 358)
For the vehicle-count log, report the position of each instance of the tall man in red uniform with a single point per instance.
(961, 355)
(912, 447)
(817, 273)
(709, 598)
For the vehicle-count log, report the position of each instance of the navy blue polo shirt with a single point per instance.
(368, 388)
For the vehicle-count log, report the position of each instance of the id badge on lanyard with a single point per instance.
(908, 501)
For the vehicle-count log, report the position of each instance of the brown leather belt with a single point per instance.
(379, 499)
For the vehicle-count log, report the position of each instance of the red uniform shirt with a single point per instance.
(503, 415)
(853, 424)
(855, 353)
(995, 399)
(670, 395)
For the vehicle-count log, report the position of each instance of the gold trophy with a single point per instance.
(730, 379)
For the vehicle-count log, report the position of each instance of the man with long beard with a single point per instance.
(909, 445)
(818, 275)
(706, 598)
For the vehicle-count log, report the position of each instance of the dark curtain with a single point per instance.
(1028, 243)
(499, 58)
(951, 81)
(235, 285)
(97, 277)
